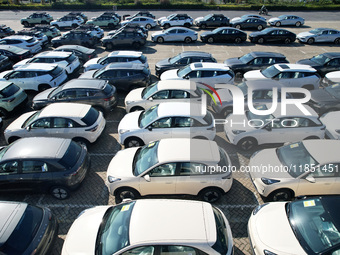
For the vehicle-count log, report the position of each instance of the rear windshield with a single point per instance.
(107, 89)
(56, 71)
(142, 59)
(9, 91)
(71, 156)
(71, 58)
(91, 117)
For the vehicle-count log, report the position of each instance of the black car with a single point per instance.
(81, 37)
(26, 229)
(182, 59)
(326, 99)
(5, 63)
(6, 31)
(224, 34)
(249, 23)
(272, 35)
(142, 14)
(212, 20)
(124, 38)
(84, 54)
(323, 63)
(15, 54)
(253, 61)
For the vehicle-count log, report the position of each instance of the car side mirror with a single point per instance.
(268, 127)
(186, 77)
(150, 128)
(150, 99)
(147, 178)
(28, 128)
(310, 179)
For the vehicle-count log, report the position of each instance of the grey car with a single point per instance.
(287, 20)
(84, 54)
(98, 93)
(124, 38)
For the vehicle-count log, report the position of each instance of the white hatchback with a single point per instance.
(79, 122)
(22, 41)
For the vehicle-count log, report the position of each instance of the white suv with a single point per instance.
(36, 76)
(67, 60)
(80, 122)
(22, 41)
(175, 20)
(206, 73)
(67, 21)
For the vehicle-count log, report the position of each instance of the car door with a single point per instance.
(162, 180)
(159, 129)
(324, 37)
(40, 128)
(179, 250)
(63, 127)
(9, 175)
(333, 34)
(182, 127)
(111, 76)
(171, 35)
(67, 95)
(182, 34)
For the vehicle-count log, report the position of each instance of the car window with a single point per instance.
(286, 75)
(177, 250)
(33, 166)
(324, 171)
(42, 123)
(190, 168)
(85, 93)
(16, 75)
(9, 167)
(179, 94)
(183, 122)
(145, 250)
(162, 123)
(163, 170)
(68, 94)
(164, 94)
(63, 123)
(184, 61)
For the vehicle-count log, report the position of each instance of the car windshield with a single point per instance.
(320, 59)
(259, 120)
(71, 155)
(334, 90)
(216, 30)
(174, 59)
(207, 16)
(148, 91)
(282, 17)
(113, 234)
(31, 119)
(148, 116)
(316, 224)
(170, 16)
(56, 91)
(145, 157)
(9, 91)
(296, 157)
(270, 72)
(316, 31)
(183, 71)
(221, 245)
(246, 58)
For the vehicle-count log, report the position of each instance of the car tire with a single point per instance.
(109, 46)
(60, 192)
(238, 75)
(82, 141)
(310, 41)
(281, 195)
(203, 26)
(74, 25)
(160, 39)
(3, 113)
(278, 24)
(210, 39)
(44, 22)
(136, 108)
(337, 41)
(136, 45)
(287, 41)
(210, 195)
(133, 142)
(260, 40)
(259, 27)
(247, 143)
(43, 87)
(26, 24)
(166, 25)
(148, 26)
(187, 25)
(298, 24)
(187, 40)
(238, 40)
(238, 26)
(12, 139)
(125, 193)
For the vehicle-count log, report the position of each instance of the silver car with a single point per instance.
(146, 22)
(175, 34)
(287, 20)
(329, 35)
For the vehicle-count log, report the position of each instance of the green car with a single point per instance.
(11, 98)
(104, 21)
(50, 31)
(37, 18)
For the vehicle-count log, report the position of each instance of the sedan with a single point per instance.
(320, 35)
(15, 54)
(224, 34)
(175, 34)
(5, 63)
(146, 22)
(287, 20)
(249, 23)
(84, 54)
(272, 35)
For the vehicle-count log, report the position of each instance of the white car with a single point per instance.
(301, 227)
(80, 122)
(67, 21)
(249, 130)
(247, 16)
(66, 60)
(170, 167)
(162, 91)
(175, 20)
(287, 75)
(146, 22)
(320, 35)
(36, 76)
(175, 34)
(304, 168)
(166, 120)
(331, 121)
(115, 57)
(206, 73)
(150, 227)
(22, 41)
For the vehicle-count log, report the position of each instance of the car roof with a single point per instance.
(323, 151)
(177, 84)
(177, 221)
(54, 54)
(266, 54)
(127, 65)
(195, 53)
(71, 110)
(36, 67)
(209, 66)
(19, 37)
(4, 84)
(126, 53)
(85, 83)
(180, 109)
(294, 67)
(76, 47)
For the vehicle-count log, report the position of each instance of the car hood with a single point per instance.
(2, 74)
(170, 75)
(254, 34)
(233, 61)
(163, 63)
(329, 120)
(130, 121)
(134, 95)
(235, 19)
(92, 61)
(321, 96)
(22, 62)
(199, 19)
(274, 19)
(252, 75)
(307, 62)
(88, 74)
(17, 124)
(121, 164)
(305, 34)
(85, 227)
(43, 96)
(206, 33)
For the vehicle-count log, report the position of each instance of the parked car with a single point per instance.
(307, 226)
(175, 20)
(166, 120)
(273, 128)
(272, 35)
(36, 18)
(253, 61)
(95, 31)
(104, 21)
(35, 227)
(84, 54)
(175, 34)
(36, 76)
(148, 23)
(81, 14)
(204, 217)
(22, 41)
(111, 13)
(14, 53)
(130, 27)
(43, 39)
(80, 122)
(246, 16)
(311, 169)
(163, 168)
(212, 20)
(50, 31)
(124, 38)
(98, 93)
(12, 97)
(116, 57)
(6, 31)
(67, 21)
(286, 20)
(162, 91)
(83, 38)
(141, 14)
(320, 35)
(326, 99)
(5, 63)
(206, 73)
(289, 75)
(65, 60)
(330, 120)
(124, 76)
(249, 23)
(224, 34)
(182, 59)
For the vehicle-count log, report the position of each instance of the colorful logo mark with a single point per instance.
(208, 92)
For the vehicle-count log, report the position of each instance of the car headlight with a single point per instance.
(258, 208)
(236, 132)
(123, 131)
(129, 102)
(269, 181)
(112, 179)
(266, 252)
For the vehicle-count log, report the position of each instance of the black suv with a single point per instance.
(212, 20)
(182, 59)
(75, 37)
(124, 38)
(253, 61)
(6, 31)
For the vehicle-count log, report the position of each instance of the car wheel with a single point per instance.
(238, 40)
(259, 27)
(3, 113)
(13, 139)
(277, 24)
(337, 41)
(111, 25)
(26, 24)
(136, 45)
(238, 26)
(74, 25)
(187, 25)
(310, 41)
(136, 108)
(133, 142)
(260, 40)
(298, 24)
(43, 87)
(160, 39)
(287, 41)
(210, 40)
(210, 195)
(187, 40)
(226, 112)
(247, 143)
(281, 195)
(125, 193)
(203, 26)
(166, 26)
(109, 46)
(60, 192)
(148, 26)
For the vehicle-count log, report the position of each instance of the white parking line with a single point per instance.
(303, 52)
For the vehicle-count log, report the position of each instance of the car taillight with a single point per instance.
(92, 129)
(54, 33)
